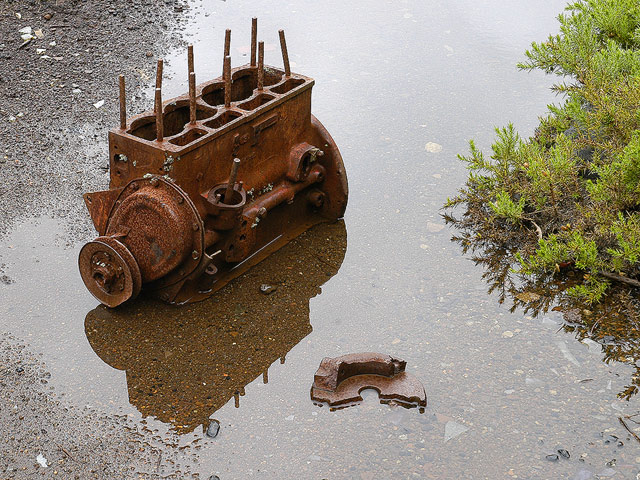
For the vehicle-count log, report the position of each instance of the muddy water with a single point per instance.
(504, 390)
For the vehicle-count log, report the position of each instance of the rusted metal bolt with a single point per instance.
(262, 212)
(195, 227)
(316, 198)
(195, 254)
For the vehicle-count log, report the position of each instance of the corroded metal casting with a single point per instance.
(209, 183)
(339, 381)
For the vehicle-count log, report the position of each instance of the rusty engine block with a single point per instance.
(210, 183)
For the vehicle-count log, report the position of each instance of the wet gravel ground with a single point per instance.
(58, 98)
(44, 437)
(52, 125)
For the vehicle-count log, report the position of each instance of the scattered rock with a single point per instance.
(42, 461)
(213, 429)
(582, 475)
(39, 33)
(47, 16)
(527, 297)
(267, 289)
(612, 439)
(453, 429)
(434, 227)
(606, 473)
(433, 147)
(99, 104)
(563, 453)
(507, 334)
(552, 457)
(567, 354)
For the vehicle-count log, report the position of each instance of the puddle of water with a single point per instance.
(504, 390)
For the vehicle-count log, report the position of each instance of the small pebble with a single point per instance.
(267, 289)
(214, 428)
(563, 453)
(47, 16)
(552, 457)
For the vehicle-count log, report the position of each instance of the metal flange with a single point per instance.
(109, 271)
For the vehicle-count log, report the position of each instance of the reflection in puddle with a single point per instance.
(183, 364)
(610, 328)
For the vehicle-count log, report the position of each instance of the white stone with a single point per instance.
(433, 147)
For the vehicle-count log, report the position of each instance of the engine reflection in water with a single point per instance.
(184, 363)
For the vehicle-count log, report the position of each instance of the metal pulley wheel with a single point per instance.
(109, 271)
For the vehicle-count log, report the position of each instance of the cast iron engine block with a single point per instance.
(211, 182)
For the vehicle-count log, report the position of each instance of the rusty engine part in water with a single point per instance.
(339, 381)
(210, 183)
(182, 371)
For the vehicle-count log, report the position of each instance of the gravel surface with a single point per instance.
(58, 99)
(53, 128)
(44, 437)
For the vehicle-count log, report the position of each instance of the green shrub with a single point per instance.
(569, 197)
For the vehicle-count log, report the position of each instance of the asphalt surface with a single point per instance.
(58, 98)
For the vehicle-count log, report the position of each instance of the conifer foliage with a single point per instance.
(569, 197)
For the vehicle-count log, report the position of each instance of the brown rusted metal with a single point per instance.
(226, 74)
(159, 73)
(261, 66)
(123, 104)
(190, 65)
(254, 40)
(227, 42)
(285, 54)
(192, 98)
(159, 117)
(339, 381)
(189, 225)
